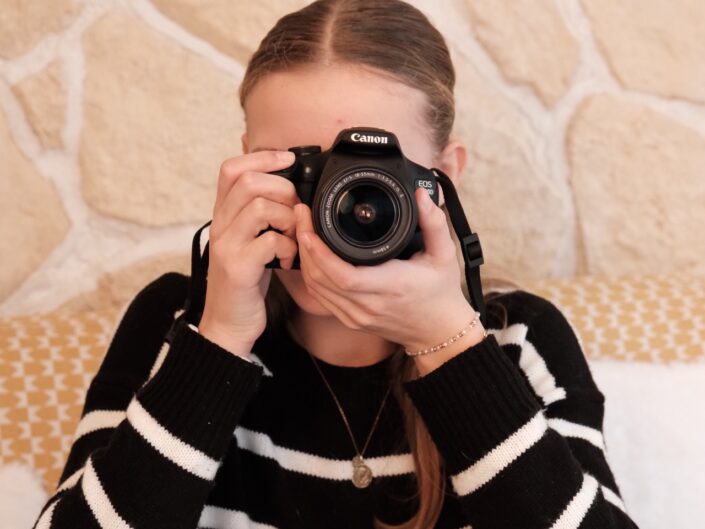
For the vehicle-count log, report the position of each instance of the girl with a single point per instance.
(299, 400)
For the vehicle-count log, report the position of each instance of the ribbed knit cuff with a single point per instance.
(472, 402)
(200, 391)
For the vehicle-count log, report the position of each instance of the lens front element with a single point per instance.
(365, 213)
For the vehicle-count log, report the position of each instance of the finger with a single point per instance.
(438, 243)
(304, 221)
(259, 215)
(270, 245)
(314, 277)
(344, 308)
(262, 161)
(346, 276)
(252, 184)
(244, 264)
(333, 309)
(248, 187)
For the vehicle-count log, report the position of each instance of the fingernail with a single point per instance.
(286, 156)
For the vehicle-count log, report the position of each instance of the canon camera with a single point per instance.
(361, 195)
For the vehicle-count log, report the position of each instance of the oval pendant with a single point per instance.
(362, 474)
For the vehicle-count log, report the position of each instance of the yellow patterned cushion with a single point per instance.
(648, 318)
(48, 361)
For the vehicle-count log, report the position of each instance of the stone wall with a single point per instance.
(585, 121)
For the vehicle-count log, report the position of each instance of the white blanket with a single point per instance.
(655, 437)
(21, 496)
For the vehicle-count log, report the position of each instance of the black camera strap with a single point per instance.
(199, 274)
(196, 297)
(469, 244)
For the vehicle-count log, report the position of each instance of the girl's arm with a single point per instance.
(520, 427)
(146, 450)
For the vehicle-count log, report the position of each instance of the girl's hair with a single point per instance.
(396, 40)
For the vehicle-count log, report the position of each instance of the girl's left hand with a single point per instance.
(416, 302)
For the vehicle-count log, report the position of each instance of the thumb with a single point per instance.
(304, 222)
(434, 228)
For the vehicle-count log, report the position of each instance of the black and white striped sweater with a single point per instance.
(189, 435)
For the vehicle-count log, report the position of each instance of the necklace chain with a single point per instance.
(342, 413)
(361, 473)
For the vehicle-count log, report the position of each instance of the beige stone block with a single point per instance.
(43, 98)
(159, 121)
(639, 183)
(656, 46)
(24, 23)
(235, 30)
(529, 42)
(116, 289)
(524, 219)
(32, 218)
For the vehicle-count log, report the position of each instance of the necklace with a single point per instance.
(361, 473)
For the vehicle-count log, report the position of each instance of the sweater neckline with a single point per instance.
(376, 370)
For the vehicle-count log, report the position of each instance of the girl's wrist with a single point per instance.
(450, 335)
(427, 363)
(234, 345)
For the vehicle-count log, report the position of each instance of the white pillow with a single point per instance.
(22, 496)
(655, 437)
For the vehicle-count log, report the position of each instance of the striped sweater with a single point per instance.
(189, 436)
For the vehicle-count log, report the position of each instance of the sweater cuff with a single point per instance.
(200, 391)
(473, 402)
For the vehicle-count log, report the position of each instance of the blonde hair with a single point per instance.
(397, 40)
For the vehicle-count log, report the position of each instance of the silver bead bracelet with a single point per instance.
(449, 341)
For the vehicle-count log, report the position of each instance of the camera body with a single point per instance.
(361, 195)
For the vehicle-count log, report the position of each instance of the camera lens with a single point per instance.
(365, 214)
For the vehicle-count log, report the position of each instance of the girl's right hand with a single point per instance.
(248, 201)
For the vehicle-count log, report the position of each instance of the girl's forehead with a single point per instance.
(309, 106)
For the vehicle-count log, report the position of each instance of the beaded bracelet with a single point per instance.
(449, 341)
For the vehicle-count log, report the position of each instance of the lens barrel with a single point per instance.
(365, 215)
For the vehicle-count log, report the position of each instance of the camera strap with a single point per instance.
(193, 308)
(469, 245)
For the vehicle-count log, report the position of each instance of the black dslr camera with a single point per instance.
(361, 195)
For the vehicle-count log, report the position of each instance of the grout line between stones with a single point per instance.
(167, 27)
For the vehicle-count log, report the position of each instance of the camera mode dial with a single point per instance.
(306, 149)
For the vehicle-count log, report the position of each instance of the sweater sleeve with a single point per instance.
(148, 446)
(521, 437)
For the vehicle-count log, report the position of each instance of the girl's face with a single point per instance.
(310, 106)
